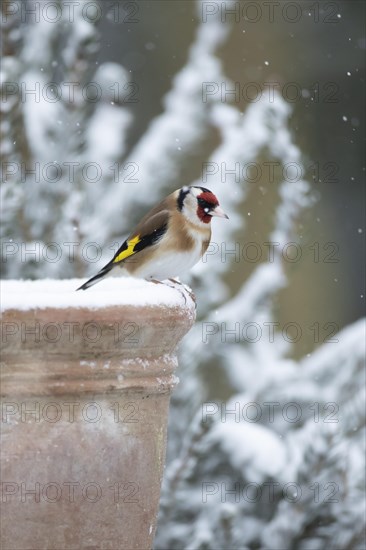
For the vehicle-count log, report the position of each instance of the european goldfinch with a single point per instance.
(170, 239)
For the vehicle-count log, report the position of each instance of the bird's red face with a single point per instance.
(198, 204)
(208, 206)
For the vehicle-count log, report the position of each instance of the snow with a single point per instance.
(252, 448)
(49, 293)
(185, 117)
(104, 136)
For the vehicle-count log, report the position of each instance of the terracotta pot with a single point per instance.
(85, 396)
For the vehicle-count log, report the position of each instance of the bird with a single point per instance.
(170, 239)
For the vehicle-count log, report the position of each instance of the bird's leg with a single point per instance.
(175, 282)
(191, 295)
(155, 281)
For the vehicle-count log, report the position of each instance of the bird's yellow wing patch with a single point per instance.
(129, 251)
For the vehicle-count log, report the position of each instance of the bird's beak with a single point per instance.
(218, 211)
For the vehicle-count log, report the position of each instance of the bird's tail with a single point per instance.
(98, 277)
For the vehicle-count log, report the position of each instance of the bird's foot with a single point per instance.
(175, 284)
(187, 290)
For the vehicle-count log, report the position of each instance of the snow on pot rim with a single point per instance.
(24, 295)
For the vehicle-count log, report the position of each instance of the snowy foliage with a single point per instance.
(289, 477)
(60, 139)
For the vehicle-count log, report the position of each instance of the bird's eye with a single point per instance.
(204, 204)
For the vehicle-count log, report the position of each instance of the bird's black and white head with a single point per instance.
(199, 205)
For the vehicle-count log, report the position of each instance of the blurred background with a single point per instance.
(327, 124)
(151, 126)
